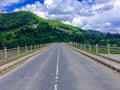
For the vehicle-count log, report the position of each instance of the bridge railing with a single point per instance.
(6, 54)
(108, 51)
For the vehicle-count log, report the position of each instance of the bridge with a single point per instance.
(61, 66)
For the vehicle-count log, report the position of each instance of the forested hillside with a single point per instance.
(25, 28)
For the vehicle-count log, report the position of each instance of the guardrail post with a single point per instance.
(69, 43)
(81, 46)
(89, 47)
(108, 49)
(40, 45)
(78, 45)
(5, 50)
(31, 48)
(96, 48)
(75, 45)
(45, 45)
(18, 48)
(84, 47)
(26, 48)
(35, 47)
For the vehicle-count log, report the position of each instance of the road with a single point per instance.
(60, 68)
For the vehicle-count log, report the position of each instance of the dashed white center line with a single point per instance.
(57, 72)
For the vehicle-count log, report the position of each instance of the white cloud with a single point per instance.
(77, 21)
(100, 15)
(36, 8)
(107, 24)
(48, 2)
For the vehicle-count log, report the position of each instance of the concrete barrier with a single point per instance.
(105, 61)
(13, 64)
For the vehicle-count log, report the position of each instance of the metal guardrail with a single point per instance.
(105, 51)
(8, 54)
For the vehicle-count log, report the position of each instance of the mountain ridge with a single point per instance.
(10, 21)
(25, 28)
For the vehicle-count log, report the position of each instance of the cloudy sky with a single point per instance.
(101, 15)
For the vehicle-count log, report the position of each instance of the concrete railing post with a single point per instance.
(77, 45)
(5, 50)
(96, 48)
(35, 47)
(108, 49)
(89, 48)
(84, 47)
(18, 49)
(26, 49)
(31, 48)
(81, 46)
(40, 45)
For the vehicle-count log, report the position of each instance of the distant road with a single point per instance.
(60, 68)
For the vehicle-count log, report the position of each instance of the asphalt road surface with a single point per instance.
(60, 68)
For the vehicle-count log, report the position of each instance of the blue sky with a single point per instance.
(11, 5)
(101, 15)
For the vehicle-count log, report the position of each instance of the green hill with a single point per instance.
(25, 28)
(11, 21)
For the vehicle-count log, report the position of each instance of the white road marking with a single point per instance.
(57, 72)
